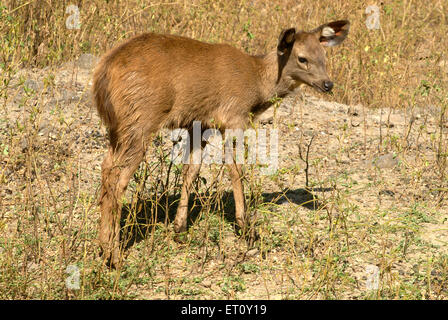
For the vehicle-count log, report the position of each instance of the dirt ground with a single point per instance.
(377, 198)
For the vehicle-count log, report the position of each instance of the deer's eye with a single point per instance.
(303, 60)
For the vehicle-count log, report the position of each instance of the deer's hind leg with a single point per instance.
(119, 165)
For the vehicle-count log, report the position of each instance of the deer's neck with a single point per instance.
(272, 83)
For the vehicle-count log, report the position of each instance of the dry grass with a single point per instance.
(376, 67)
(51, 145)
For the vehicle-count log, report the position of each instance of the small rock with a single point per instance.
(32, 266)
(43, 127)
(444, 65)
(352, 111)
(24, 144)
(309, 133)
(386, 161)
(434, 110)
(267, 116)
(251, 252)
(286, 107)
(436, 273)
(207, 283)
(423, 52)
(32, 84)
(79, 86)
(87, 61)
(386, 192)
(69, 96)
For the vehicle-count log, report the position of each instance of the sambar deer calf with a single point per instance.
(155, 81)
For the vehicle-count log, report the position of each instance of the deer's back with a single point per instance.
(174, 80)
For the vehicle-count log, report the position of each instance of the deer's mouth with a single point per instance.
(318, 88)
(323, 87)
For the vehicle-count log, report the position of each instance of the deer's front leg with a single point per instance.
(236, 175)
(190, 173)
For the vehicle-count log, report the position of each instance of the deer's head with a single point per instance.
(302, 56)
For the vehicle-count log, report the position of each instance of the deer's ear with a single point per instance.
(286, 40)
(333, 33)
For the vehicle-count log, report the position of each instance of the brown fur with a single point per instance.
(153, 81)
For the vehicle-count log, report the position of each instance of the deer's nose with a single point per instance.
(328, 85)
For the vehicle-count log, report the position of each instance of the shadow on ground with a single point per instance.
(137, 221)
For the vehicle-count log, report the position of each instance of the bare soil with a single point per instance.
(377, 195)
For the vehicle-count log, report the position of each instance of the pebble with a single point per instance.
(386, 161)
(87, 61)
(251, 252)
(33, 85)
(207, 283)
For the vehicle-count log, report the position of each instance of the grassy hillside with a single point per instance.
(391, 66)
(375, 153)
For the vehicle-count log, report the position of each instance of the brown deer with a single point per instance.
(155, 81)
